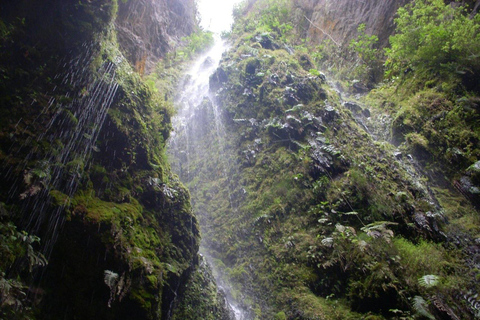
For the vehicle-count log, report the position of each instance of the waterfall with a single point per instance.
(198, 133)
(71, 128)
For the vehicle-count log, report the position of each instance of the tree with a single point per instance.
(435, 37)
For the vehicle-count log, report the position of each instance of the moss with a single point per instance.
(201, 297)
(143, 298)
(98, 211)
(59, 198)
(316, 215)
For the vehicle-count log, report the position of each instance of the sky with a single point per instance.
(216, 15)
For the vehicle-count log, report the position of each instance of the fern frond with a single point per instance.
(429, 280)
(110, 278)
(421, 307)
(327, 242)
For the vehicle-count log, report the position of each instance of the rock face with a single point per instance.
(338, 20)
(148, 29)
(83, 176)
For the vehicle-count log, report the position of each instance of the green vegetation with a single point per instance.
(190, 46)
(17, 249)
(438, 39)
(268, 17)
(364, 44)
(308, 208)
(317, 219)
(128, 238)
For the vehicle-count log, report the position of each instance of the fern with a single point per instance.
(429, 280)
(379, 229)
(110, 278)
(327, 242)
(421, 307)
(252, 51)
(331, 150)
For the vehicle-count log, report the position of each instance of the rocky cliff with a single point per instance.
(338, 20)
(148, 29)
(94, 224)
(312, 210)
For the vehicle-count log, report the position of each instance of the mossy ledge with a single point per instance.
(116, 226)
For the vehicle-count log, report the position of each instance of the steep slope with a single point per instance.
(307, 212)
(85, 184)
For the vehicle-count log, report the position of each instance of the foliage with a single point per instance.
(435, 37)
(429, 280)
(421, 307)
(275, 17)
(17, 255)
(364, 45)
(270, 16)
(192, 45)
(116, 183)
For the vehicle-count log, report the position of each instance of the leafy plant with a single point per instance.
(435, 37)
(197, 42)
(379, 229)
(364, 45)
(16, 247)
(421, 307)
(429, 280)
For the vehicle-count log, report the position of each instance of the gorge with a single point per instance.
(317, 160)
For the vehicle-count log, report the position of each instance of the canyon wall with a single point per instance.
(338, 20)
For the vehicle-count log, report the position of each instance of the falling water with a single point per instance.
(72, 138)
(199, 132)
(199, 119)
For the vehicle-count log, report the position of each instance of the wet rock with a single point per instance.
(470, 190)
(305, 61)
(352, 106)
(289, 95)
(421, 221)
(208, 62)
(217, 79)
(293, 121)
(288, 49)
(266, 42)
(329, 114)
(474, 173)
(359, 87)
(329, 17)
(307, 89)
(322, 77)
(251, 66)
(148, 28)
(274, 79)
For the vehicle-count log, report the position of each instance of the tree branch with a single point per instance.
(329, 36)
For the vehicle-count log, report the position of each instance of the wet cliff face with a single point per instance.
(338, 20)
(148, 29)
(310, 214)
(82, 160)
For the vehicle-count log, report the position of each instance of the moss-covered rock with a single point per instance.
(303, 209)
(83, 141)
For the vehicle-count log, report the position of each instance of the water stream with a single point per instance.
(199, 132)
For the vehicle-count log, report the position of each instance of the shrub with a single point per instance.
(364, 45)
(434, 37)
